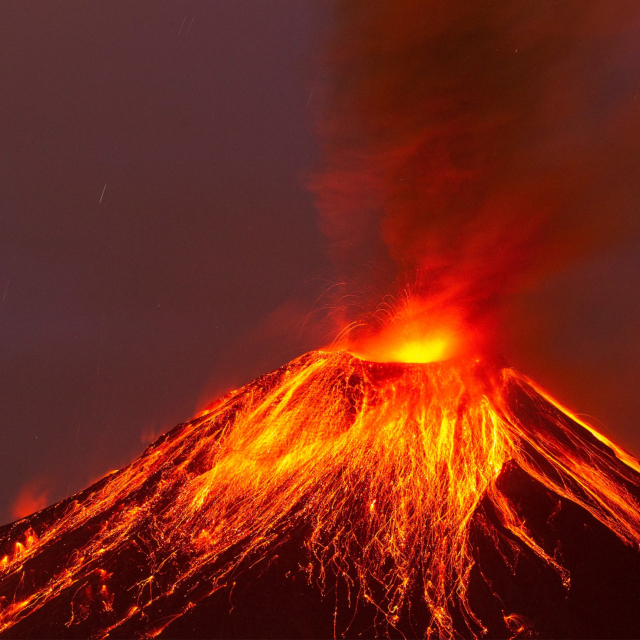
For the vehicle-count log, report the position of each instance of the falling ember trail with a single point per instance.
(385, 466)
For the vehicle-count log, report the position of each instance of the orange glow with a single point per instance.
(421, 346)
(383, 466)
(413, 333)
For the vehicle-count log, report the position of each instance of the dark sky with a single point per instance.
(118, 303)
(124, 307)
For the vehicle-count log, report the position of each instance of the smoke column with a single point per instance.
(477, 145)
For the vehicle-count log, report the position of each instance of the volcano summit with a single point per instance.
(337, 496)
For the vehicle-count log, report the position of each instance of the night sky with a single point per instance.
(122, 305)
(159, 244)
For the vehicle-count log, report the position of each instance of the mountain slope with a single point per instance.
(336, 496)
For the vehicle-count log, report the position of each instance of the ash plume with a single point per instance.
(481, 145)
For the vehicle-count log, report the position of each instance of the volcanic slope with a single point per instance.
(338, 497)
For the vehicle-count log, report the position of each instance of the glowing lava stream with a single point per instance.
(384, 464)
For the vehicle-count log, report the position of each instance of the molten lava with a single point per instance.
(385, 467)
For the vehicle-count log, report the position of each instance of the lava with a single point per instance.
(384, 466)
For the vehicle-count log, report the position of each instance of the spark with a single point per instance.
(102, 194)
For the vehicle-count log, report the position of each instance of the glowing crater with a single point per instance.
(414, 333)
(433, 347)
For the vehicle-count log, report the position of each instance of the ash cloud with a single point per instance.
(481, 145)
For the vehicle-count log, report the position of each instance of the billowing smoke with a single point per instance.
(478, 145)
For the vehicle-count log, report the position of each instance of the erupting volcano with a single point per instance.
(404, 481)
(434, 499)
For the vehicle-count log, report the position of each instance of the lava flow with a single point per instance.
(385, 472)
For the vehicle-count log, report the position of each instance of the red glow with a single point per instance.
(32, 497)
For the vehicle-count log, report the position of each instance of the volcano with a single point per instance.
(339, 497)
